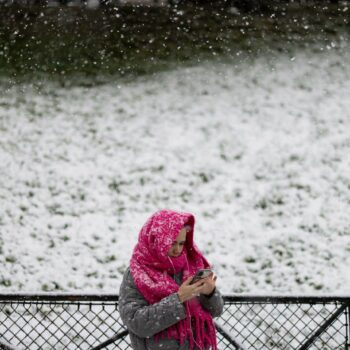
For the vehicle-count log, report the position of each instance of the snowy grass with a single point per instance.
(259, 152)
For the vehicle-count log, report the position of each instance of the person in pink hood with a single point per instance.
(158, 303)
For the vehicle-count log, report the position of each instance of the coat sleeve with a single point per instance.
(214, 303)
(143, 319)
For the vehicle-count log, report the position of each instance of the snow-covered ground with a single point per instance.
(259, 152)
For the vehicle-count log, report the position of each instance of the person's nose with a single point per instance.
(177, 249)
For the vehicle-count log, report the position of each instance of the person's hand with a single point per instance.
(188, 291)
(208, 284)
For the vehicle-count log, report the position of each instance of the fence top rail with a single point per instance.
(287, 299)
(61, 296)
(228, 298)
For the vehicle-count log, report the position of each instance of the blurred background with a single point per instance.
(135, 37)
(236, 111)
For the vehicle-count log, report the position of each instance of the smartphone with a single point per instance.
(203, 273)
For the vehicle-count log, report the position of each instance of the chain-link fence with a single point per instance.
(260, 322)
(62, 321)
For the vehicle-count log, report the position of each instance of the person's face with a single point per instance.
(178, 245)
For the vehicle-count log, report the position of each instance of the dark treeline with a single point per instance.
(130, 40)
(242, 5)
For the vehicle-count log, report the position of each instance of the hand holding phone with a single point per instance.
(190, 289)
(200, 274)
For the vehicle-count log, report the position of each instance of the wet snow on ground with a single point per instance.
(259, 152)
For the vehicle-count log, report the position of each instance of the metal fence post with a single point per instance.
(347, 326)
(6, 346)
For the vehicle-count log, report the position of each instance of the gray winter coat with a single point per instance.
(144, 321)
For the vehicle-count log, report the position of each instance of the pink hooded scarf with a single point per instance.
(151, 268)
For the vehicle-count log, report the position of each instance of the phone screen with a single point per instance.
(203, 273)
